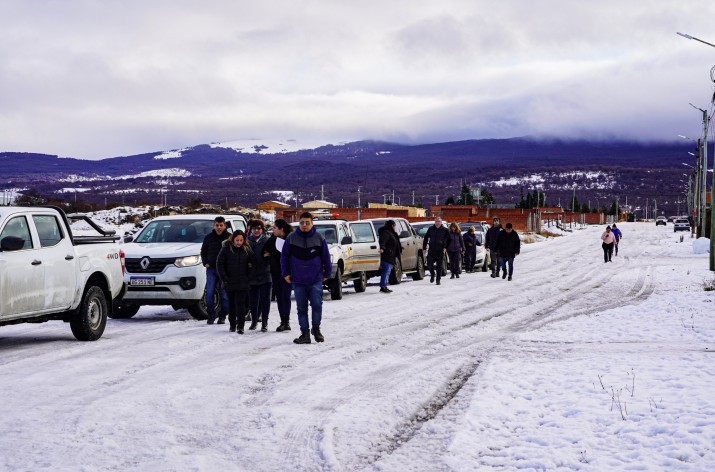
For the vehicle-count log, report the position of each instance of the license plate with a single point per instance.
(141, 281)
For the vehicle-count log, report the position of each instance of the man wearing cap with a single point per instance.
(437, 238)
(508, 247)
(491, 246)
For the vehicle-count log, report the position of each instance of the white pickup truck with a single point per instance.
(46, 273)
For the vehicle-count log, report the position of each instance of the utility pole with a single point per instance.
(436, 199)
(393, 197)
(696, 219)
(413, 198)
(359, 205)
(322, 192)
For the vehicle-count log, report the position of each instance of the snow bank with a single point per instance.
(701, 246)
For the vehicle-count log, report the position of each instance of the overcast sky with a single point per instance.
(94, 79)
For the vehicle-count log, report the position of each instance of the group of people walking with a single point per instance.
(503, 245)
(246, 269)
(610, 239)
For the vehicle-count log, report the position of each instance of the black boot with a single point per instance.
(254, 325)
(503, 276)
(431, 278)
(264, 327)
(210, 320)
(221, 320)
(280, 327)
(232, 328)
(303, 339)
(318, 335)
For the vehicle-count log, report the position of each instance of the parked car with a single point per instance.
(671, 219)
(681, 224)
(661, 220)
(350, 261)
(164, 264)
(412, 261)
(47, 273)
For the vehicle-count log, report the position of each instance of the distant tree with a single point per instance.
(450, 200)
(522, 202)
(585, 208)
(194, 203)
(465, 196)
(30, 197)
(614, 210)
(487, 197)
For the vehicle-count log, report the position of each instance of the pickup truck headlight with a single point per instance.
(187, 261)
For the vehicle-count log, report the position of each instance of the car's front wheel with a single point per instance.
(91, 318)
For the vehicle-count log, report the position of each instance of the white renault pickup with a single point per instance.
(47, 273)
(164, 264)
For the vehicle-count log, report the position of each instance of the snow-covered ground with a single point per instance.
(574, 365)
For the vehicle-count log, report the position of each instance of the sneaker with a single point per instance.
(503, 275)
(493, 275)
(303, 339)
(210, 320)
(431, 279)
(280, 328)
(264, 329)
(388, 290)
(509, 278)
(286, 327)
(240, 331)
(385, 290)
(317, 335)
(254, 325)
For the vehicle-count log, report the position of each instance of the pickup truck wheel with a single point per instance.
(91, 317)
(420, 272)
(396, 274)
(361, 283)
(123, 311)
(336, 286)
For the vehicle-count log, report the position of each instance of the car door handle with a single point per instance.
(36, 262)
(373, 247)
(68, 257)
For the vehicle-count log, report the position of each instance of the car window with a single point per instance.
(362, 233)
(422, 230)
(403, 227)
(48, 228)
(237, 224)
(329, 233)
(17, 227)
(342, 232)
(175, 231)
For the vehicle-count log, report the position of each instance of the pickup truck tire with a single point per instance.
(89, 321)
(420, 271)
(336, 286)
(361, 282)
(396, 273)
(124, 312)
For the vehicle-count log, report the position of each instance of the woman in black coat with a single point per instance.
(281, 288)
(259, 293)
(235, 264)
(470, 249)
(390, 250)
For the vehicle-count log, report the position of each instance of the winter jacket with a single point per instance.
(262, 270)
(456, 242)
(508, 244)
(492, 236)
(275, 255)
(437, 239)
(607, 237)
(234, 266)
(211, 247)
(470, 242)
(390, 245)
(616, 233)
(306, 257)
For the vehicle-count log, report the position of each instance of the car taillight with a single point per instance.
(121, 259)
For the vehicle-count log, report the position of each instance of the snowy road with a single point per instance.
(427, 378)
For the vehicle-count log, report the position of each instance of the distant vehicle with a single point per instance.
(47, 273)
(661, 220)
(164, 264)
(681, 224)
(671, 219)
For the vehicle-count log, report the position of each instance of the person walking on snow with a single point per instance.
(281, 288)
(508, 247)
(617, 234)
(390, 250)
(235, 264)
(209, 252)
(490, 244)
(437, 238)
(259, 295)
(470, 249)
(455, 250)
(305, 263)
(608, 242)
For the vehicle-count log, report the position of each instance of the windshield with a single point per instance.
(466, 226)
(328, 232)
(421, 230)
(176, 231)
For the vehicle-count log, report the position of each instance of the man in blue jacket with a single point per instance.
(305, 263)
(617, 234)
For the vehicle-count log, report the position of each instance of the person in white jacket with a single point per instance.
(608, 242)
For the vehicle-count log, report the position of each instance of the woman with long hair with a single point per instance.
(390, 249)
(235, 265)
(455, 250)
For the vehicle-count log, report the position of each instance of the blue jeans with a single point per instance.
(303, 294)
(213, 284)
(385, 268)
(282, 289)
(260, 294)
(503, 261)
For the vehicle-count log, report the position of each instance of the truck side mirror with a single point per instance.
(128, 239)
(346, 240)
(11, 243)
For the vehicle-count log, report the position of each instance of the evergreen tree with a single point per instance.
(585, 208)
(487, 197)
(450, 201)
(522, 202)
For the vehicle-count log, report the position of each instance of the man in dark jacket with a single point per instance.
(390, 250)
(259, 294)
(508, 247)
(491, 246)
(305, 263)
(437, 238)
(209, 252)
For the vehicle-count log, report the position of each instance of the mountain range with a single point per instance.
(597, 171)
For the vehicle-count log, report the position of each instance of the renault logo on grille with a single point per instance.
(145, 263)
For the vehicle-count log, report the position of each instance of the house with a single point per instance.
(318, 205)
(271, 205)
